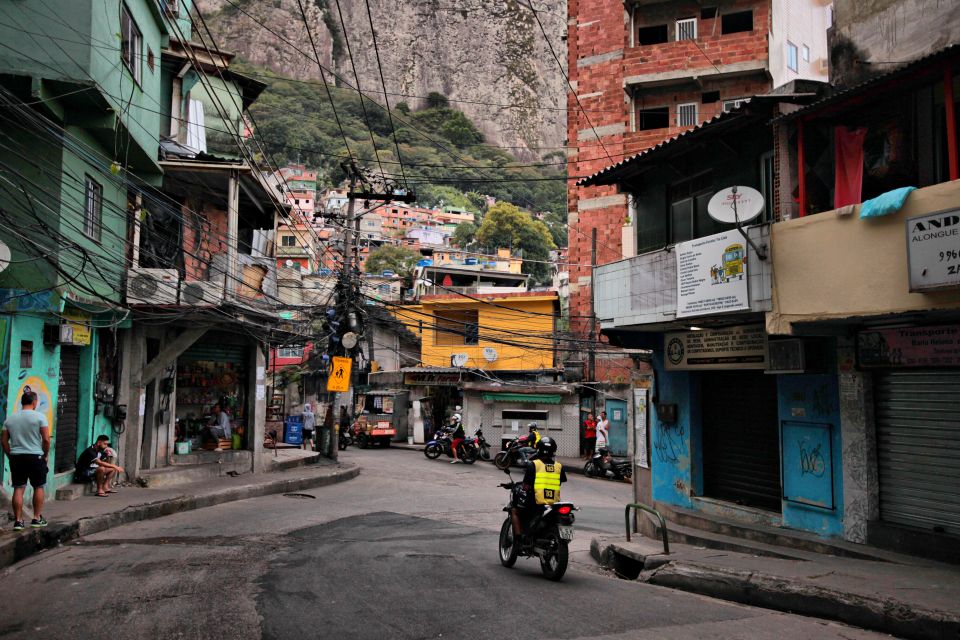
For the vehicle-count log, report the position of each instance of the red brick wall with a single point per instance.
(599, 58)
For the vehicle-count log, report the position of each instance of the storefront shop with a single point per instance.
(916, 391)
(209, 373)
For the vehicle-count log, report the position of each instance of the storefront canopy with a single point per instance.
(532, 398)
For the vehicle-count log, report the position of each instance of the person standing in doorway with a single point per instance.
(26, 441)
(309, 424)
(603, 430)
(589, 436)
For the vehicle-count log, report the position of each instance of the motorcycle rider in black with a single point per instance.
(542, 477)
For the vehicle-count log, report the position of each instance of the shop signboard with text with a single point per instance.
(712, 275)
(741, 347)
(933, 250)
(910, 347)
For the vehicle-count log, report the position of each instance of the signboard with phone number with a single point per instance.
(933, 250)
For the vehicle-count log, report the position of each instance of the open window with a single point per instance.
(456, 327)
(657, 34)
(653, 118)
(739, 22)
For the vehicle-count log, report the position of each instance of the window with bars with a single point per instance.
(131, 43)
(92, 208)
(290, 352)
(687, 29)
(687, 114)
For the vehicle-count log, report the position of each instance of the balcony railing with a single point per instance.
(643, 290)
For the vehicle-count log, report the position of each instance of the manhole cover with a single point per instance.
(300, 496)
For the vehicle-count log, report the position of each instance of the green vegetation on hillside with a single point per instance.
(444, 155)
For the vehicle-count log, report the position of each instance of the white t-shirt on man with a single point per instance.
(602, 433)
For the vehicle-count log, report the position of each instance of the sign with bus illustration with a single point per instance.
(712, 275)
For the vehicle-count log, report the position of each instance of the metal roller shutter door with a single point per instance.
(918, 447)
(65, 447)
(741, 438)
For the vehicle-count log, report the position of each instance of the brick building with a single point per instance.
(646, 71)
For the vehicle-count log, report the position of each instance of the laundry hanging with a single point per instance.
(848, 160)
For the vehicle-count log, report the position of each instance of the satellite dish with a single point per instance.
(748, 202)
(349, 340)
(4, 256)
(489, 354)
(459, 359)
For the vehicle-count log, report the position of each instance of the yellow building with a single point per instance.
(494, 331)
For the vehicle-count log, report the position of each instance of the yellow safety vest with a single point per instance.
(546, 484)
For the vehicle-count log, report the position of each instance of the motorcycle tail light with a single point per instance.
(565, 510)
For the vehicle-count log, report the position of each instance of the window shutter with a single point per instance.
(687, 29)
(687, 115)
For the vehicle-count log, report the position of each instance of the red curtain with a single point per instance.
(848, 160)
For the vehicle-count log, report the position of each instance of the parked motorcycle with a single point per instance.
(516, 452)
(483, 447)
(602, 464)
(441, 443)
(549, 535)
(346, 438)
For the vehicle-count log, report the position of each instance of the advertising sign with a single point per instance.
(712, 275)
(933, 250)
(910, 347)
(339, 378)
(80, 324)
(641, 454)
(742, 347)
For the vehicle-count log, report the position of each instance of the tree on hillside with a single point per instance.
(400, 260)
(505, 225)
(436, 100)
(464, 234)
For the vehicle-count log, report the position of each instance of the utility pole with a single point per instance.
(347, 324)
(593, 318)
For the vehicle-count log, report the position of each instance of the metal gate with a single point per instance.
(918, 448)
(67, 409)
(741, 438)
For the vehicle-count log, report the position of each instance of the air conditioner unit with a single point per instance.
(201, 293)
(786, 356)
(152, 286)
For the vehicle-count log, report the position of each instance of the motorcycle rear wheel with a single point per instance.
(468, 455)
(502, 460)
(432, 451)
(554, 563)
(508, 547)
(590, 469)
(485, 454)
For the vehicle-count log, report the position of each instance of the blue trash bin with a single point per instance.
(293, 430)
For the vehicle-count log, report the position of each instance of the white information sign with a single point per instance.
(743, 347)
(640, 428)
(712, 275)
(933, 250)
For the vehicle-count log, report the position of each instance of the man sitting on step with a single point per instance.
(92, 467)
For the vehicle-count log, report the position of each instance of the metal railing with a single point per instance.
(651, 510)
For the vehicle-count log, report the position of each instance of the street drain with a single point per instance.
(300, 496)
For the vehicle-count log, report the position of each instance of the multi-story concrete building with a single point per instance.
(645, 72)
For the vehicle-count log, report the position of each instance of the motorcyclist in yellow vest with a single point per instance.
(541, 485)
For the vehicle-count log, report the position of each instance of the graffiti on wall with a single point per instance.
(808, 463)
(39, 387)
(669, 442)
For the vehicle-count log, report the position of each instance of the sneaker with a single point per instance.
(457, 461)
(18, 525)
(37, 523)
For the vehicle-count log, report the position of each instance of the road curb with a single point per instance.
(886, 615)
(27, 544)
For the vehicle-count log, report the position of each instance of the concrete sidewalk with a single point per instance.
(90, 514)
(900, 595)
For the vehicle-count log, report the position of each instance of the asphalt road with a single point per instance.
(407, 550)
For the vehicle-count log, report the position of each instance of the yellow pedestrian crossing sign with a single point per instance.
(339, 378)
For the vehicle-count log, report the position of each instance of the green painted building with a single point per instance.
(80, 115)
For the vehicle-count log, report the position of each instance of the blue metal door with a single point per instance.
(617, 415)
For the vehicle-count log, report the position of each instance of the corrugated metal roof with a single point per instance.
(725, 115)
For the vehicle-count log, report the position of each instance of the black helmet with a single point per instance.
(547, 446)
(532, 426)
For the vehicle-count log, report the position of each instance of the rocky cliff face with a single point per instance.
(487, 56)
